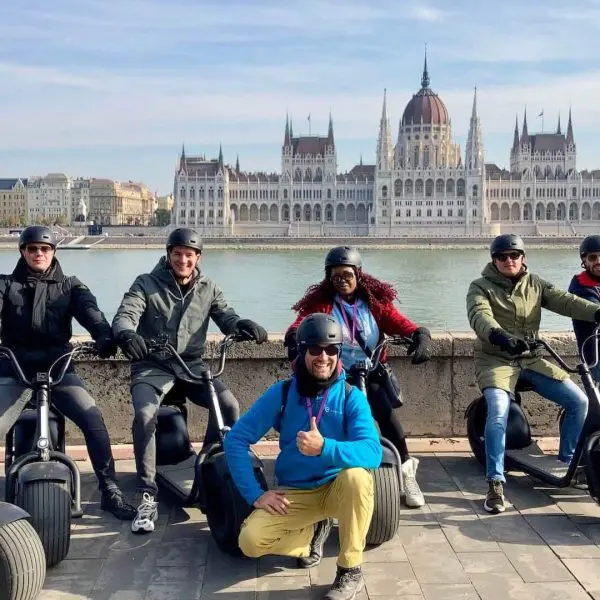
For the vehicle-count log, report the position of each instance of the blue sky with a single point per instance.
(111, 88)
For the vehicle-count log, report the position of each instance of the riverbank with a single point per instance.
(236, 243)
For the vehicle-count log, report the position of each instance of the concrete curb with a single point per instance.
(268, 448)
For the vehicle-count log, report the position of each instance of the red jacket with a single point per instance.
(388, 318)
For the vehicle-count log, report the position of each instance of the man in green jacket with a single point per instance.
(174, 300)
(504, 307)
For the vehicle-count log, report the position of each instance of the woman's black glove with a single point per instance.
(289, 342)
(133, 345)
(106, 346)
(246, 328)
(420, 346)
(508, 342)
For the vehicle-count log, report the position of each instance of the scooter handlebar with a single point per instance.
(531, 346)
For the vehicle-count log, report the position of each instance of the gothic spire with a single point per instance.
(330, 140)
(286, 138)
(291, 129)
(558, 131)
(237, 164)
(182, 158)
(525, 133)
(385, 150)
(425, 77)
(515, 145)
(474, 154)
(570, 137)
(220, 156)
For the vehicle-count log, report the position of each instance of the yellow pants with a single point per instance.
(348, 498)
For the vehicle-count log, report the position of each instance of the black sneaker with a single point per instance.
(494, 499)
(348, 582)
(113, 502)
(322, 531)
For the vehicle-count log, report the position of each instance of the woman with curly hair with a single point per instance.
(364, 307)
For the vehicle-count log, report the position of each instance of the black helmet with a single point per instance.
(37, 234)
(343, 255)
(184, 237)
(318, 328)
(590, 244)
(507, 242)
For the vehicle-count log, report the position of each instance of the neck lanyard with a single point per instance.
(351, 330)
(309, 407)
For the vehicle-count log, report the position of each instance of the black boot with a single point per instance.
(322, 531)
(113, 502)
(348, 582)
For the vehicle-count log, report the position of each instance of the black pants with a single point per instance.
(146, 402)
(74, 402)
(388, 421)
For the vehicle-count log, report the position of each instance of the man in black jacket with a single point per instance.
(37, 306)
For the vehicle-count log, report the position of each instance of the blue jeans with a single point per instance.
(564, 393)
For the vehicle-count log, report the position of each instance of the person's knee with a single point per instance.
(356, 480)
(145, 406)
(249, 539)
(230, 407)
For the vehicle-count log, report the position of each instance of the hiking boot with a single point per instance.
(322, 531)
(348, 582)
(112, 501)
(147, 513)
(494, 499)
(413, 496)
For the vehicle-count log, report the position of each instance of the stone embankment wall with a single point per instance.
(435, 394)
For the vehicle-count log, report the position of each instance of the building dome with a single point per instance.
(425, 106)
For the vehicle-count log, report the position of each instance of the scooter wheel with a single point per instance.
(22, 561)
(49, 504)
(386, 510)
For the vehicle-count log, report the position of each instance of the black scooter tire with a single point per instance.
(22, 561)
(226, 509)
(49, 504)
(386, 511)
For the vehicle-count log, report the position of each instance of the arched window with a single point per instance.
(384, 191)
(285, 213)
(285, 194)
(475, 191)
(429, 187)
(274, 213)
(244, 212)
(264, 212)
(340, 213)
(318, 174)
(426, 157)
(450, 186)
(398, 187)
(460, 187)
(494, 213)
(515, 212)
(253, 213)
(416, 157)
(350, 213)
(419, 186)
(527, 212)
(318, 213)
(329, 213)
(308, 174)
(439, 187)
(573, 212)
(408, 187)
(298, 174)
(540, 212)
(361, 213)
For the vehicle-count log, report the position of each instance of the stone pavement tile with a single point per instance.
(431, 566)
(95, 541)
(455, 591)
(182, 553)
(536, 563)
(73, 576)
(57, 595)
(126, 573)
(392, 551)
(294, 587)
(527, 499)
(564, 537)
(586, 571)
(175, 583)
(279, 566)
(485, 562)
(470, 536)
(229, 573)
(512, 529)
(592, 531)
(460, 464)
(421, 537)
(499, 587)
(417, 516)
(382, 580)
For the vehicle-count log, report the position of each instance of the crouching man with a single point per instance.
(327, 441)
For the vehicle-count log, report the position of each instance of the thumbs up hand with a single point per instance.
(310, 443)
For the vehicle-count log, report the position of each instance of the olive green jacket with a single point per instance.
(495, 301)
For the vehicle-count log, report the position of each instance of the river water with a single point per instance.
(263, 284)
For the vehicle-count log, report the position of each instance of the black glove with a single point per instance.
(420, 346)
(246, 328)
(106, 346)
(508, 342)
(133, 345)
(289, 342)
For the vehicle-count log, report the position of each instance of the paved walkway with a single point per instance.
(545, 547)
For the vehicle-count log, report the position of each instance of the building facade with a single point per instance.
(423, 185)
(13, 202)
(49, 199)
(120, 203)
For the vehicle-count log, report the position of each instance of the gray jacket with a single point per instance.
(155, 306)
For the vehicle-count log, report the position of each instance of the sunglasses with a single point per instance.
(339, 278)
(331, 350)
(592, 257)
(36, 249)
(507, 255)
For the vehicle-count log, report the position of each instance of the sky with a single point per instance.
(113, 88)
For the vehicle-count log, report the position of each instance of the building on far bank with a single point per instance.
(80, 198)
(49, 198)
(13, 202)
(120, 203)
(424, 185)
(165, 202)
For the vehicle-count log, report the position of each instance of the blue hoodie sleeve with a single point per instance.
(363, 448)
(583, 329)
(251, 427)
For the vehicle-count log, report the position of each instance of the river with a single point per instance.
(263, 284)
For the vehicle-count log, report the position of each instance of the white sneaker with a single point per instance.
(413, 497)
(147, 513)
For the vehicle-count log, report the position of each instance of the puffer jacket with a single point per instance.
(156, 306)
(585, 286)
(495, 301)
(37, 312)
